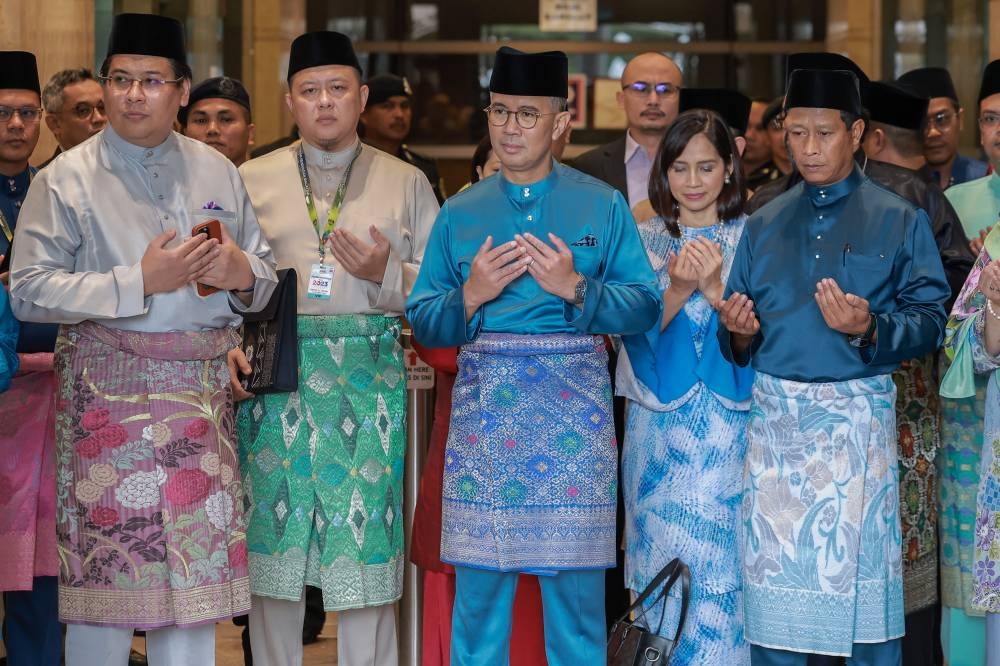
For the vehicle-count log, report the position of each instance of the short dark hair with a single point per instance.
(686, 126)
(480, 157)
(52, 93)
(180, 69)
(907, 142)
(851, 118)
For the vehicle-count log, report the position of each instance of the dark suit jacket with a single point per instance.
(606, 163)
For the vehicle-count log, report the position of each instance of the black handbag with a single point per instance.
(631, 642)
(271, 340)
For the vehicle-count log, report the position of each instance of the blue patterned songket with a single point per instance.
(529, 477)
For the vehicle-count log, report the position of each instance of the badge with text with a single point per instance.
(320, 281)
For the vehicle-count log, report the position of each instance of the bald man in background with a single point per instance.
(650, 95)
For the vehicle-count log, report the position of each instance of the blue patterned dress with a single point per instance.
(682, 467)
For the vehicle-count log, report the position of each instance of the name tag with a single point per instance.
(320, 281)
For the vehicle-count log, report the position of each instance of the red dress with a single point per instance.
(527, 642)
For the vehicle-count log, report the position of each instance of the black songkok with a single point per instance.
(891, 105)
(732, 105)
(220, 87)
(823, 89)
(147, 35)
(319, 49)
(384, 86)
(930, 82)
(824, 60)
(530, 74)
(18, 71)
(991, 80)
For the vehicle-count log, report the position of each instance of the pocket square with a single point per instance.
(590, 240)
(211, 205)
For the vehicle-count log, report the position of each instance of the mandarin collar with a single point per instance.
(141, 154)
(994, 183)
(324, 160)
(825, 195)
(528, 194)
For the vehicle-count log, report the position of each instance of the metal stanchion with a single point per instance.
(419, 420)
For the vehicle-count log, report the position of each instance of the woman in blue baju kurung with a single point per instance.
(685, 440)
(8, 341)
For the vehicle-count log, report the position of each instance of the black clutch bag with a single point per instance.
(271, 340)
(631, 642)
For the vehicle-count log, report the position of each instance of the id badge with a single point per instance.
(320, 281)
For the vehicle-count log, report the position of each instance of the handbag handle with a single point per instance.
(670, 573)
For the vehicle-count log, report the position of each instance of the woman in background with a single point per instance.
(685, 441)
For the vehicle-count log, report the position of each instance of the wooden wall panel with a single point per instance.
(59, 32)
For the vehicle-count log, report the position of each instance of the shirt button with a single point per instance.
(149, 153)
(160, 197)
(166, 217)
(531, 218)
(819, 237)
(527, 191)
(156, 175)
(819, 217)
(817, 256)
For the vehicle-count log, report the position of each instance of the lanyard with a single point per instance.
(5, 228)
(338, 199)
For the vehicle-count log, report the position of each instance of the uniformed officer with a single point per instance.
(385, 124)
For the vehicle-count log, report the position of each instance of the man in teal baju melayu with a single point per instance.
(524, 270)
(822, 554)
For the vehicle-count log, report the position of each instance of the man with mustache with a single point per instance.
(821, 473)
(386, 121)
(106, 248)
(74, 108)
(650, 96)
(218, 114)
(524, 271)
(945, 117)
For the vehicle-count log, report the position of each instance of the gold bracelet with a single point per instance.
(989, 306)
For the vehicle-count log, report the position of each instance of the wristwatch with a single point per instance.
(865, 338)
(580, 291)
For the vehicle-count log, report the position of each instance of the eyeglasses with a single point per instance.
(941, 121)
(83, 111)
(989, 119)
(150, 85)
(525, 118)
(642, 89)
(28, 114)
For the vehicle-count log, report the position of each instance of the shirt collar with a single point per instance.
(525, 195)
(141, 154)
(322, 159)
(825, 195)
(631, 147)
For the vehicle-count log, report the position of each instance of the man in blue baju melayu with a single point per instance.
(525, 270)
(834, 283)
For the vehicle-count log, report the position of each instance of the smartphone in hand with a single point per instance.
(212, 229)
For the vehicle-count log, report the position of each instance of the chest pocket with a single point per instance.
(225, 217)
(865, 273)
(587, 252)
